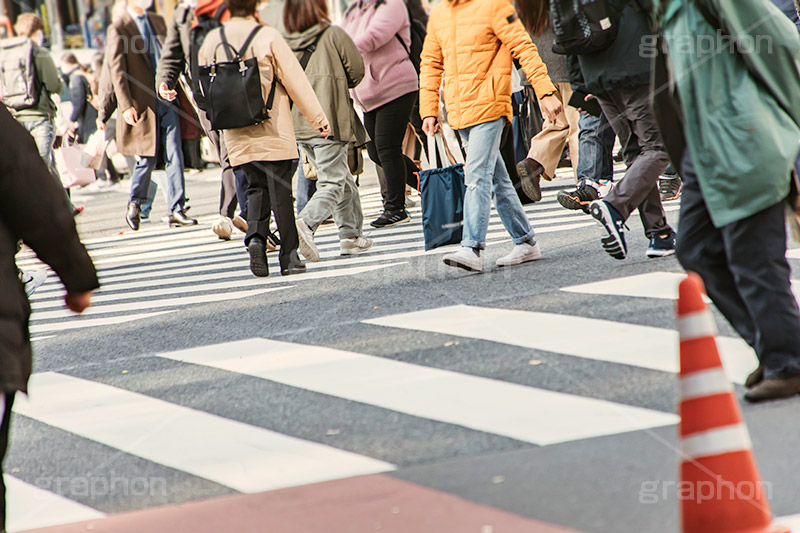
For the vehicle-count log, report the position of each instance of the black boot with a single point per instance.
(134, 216)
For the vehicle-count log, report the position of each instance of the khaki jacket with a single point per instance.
(132, 77)
(273, 139)
(471, 43)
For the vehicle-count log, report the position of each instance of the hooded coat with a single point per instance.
(335, 67)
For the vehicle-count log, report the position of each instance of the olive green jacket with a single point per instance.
(49, 82)
(740, 102)
(333, 69)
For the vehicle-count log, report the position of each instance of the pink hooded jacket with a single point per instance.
(373, 26)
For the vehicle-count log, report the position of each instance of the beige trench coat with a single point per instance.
(273, 139)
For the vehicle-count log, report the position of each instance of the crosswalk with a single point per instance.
(156, 271)
(251, 455)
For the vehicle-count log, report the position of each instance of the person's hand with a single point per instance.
(78, 301)
(130, 116)
(431, 126)
(551, 107)
(166, 93)
(588, 98)
(101, 125)
(325, 131)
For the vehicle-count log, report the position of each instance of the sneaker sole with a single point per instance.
(530, 190)
(654, 254)
(462, 266)
(354, 251)
(524, 259)
(572, 203)
(308, 249)
(612, 244)
(404, 221)
(258, 262)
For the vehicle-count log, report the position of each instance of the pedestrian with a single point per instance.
(471, 43)
(176, 61)
(333, 65)
(35, 110)
(268, 151)
(547, 146)
(736, 164)
(32, 208)
(619, 77)
(147, 122)
(381, 31)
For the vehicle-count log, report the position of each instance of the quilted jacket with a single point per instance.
(471, 43)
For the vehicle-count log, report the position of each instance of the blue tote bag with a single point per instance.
(442, 191)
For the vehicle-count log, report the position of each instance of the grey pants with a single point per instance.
(628, 111)
(337, 193)
(746, 274)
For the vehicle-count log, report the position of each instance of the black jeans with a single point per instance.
(387, 129)
(4, 429)
(269, 186)
(628, 111)
(744, 268)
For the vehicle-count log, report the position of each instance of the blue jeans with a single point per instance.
(596, 146)
(305, 189)
(485, 171)
(168, 133)
(43, 133)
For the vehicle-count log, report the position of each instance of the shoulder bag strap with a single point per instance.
(310, 49)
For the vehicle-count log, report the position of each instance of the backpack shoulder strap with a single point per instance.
(224, 44)
(220, 11)
(249, 40)
(310, 49)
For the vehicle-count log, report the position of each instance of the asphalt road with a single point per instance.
(590, 473)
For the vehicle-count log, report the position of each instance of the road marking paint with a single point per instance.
(613, 342)
(32, 507)
(524, 413)
(57, 327)
(243, 457)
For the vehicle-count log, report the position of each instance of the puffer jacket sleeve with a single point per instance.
(390, 17)
(352, 61)
(431, 72)
(509, 29)
(293, 78)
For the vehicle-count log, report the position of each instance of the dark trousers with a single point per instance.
(387, 129)
(628, 111)
(234, 183)
(169, 134)
(744, 268)
(4, 429)
(269, 187)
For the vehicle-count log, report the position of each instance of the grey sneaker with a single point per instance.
(307, 246)
(354, 247)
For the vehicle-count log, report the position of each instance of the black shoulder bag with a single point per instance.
(232, 89)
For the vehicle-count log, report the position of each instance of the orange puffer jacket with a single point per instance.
(471, 44)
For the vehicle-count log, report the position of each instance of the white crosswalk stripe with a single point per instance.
(159, 270)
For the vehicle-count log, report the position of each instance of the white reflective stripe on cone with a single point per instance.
(716, 442)
(705, 383)
(697, 325)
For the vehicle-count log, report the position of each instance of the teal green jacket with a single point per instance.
(740, 102)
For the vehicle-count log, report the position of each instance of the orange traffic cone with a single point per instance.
(720, 489)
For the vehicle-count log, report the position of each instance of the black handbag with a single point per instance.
(232, 88)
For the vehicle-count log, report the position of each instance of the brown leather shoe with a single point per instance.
(530, 172)
(755, 377)
(773, 389)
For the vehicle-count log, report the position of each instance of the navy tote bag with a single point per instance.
(442, 191)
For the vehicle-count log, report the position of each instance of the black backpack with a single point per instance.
(583, 26)
(418, 33)
(205, 23)
(231, 89)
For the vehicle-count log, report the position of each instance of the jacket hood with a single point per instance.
(303, 39)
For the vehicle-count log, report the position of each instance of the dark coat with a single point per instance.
(33, 208)
(175, 54)
(622, 65)
(83, 112)
(133, 78)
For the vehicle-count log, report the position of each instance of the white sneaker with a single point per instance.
(32, 280)
(410, 202)
(464, 258)
(307, 246)
(353, 247)
(522, 253)
(223, 228)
